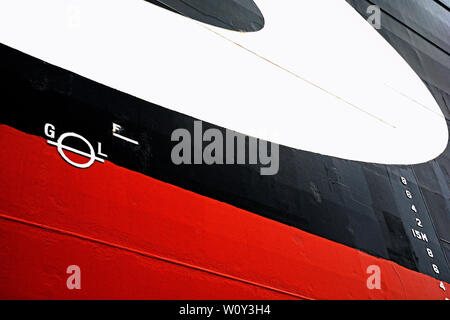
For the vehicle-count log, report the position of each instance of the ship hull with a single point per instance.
(136, 237)
(88, 181)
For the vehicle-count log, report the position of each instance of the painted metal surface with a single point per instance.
(236, 15)
(315, 67)
(137, 207)
(137, 237)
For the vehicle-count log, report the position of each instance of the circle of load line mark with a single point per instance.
(61, 148)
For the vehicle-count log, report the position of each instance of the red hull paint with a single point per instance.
(137, 237)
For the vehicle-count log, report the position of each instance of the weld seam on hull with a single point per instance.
(146, 254)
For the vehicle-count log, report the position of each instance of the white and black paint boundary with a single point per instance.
(344, 201)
